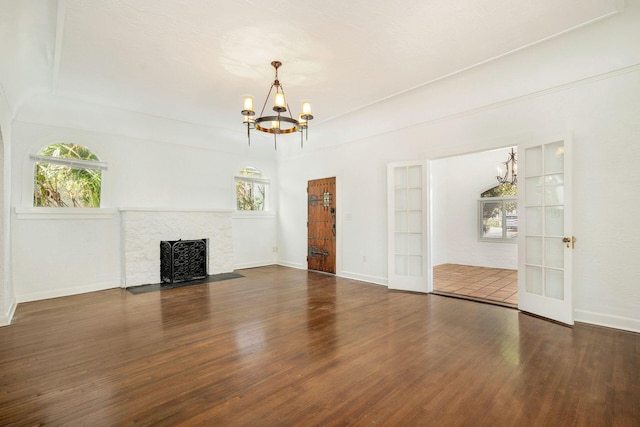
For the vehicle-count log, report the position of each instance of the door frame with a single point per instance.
(514, 141)
(521, 141)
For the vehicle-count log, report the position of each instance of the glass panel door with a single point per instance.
(407, 227)
(544, 273)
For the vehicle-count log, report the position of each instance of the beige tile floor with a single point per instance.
(491, 284)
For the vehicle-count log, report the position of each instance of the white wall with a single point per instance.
(55, 256)
(458, 182)
(587, 82)
(254, 239)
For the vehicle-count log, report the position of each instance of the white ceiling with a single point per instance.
(193, 60)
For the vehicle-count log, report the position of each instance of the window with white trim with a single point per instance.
(67, 175)
(498, 214)
(251, 190)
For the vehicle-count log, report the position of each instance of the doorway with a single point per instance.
(321, 225)
(474, 239)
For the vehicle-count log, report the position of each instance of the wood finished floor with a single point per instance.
(288, 347)
(495, 285)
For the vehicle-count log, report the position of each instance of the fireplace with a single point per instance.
(182, 260)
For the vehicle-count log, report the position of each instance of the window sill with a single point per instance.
(64, 213)
(253, 214)
(496, 240)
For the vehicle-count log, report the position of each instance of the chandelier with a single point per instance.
(280, 123)
(510, 174)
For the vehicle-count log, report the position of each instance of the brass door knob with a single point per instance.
(570, 241)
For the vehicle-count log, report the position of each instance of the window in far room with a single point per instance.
(498, 214)
(67, 175)
(251, 190)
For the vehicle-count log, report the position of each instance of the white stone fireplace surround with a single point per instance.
(143, 229)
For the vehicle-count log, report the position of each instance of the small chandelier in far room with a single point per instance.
(510, 174)
(279, 123)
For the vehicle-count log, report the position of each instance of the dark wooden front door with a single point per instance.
(321, 225)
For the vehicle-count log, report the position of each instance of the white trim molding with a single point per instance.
(5, 319)
(296, 265)
(73, 163)
(56, 293)
(64, 213)
(375, 280)
(607, 320)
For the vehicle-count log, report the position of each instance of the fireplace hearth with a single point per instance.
(183, 260)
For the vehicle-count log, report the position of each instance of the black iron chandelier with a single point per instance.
(279, 123)
(510, 175)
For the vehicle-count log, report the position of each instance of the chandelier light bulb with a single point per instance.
(306, 108)
(279, 99)
(248, 103)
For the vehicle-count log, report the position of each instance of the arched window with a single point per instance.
(67, 175)
(251, 190)
(498, 214)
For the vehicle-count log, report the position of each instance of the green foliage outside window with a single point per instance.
(58, 185)
(500, 214)
(250, 194)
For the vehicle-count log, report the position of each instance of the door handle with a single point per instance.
(570, 241)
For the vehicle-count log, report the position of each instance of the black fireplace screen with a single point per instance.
(182, 260)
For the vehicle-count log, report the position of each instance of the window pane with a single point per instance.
(554, 189)
(553, 252)
(414, 222)
(533, 161)
(554, 221)
(402, 265)
(250, 196)
(534, 250)
(492, 220)
(401, 199)
(414, 199)
(60, 185)
(401, 244)
(533, 191)
(554, 283)
(534, 221)
(554, 157)
(533, 280)
(414, 243)
(64, 186)
(511, 222)
(415, 266)
(400, 177)
(414, 177)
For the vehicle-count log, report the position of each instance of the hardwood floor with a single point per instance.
(289, 347)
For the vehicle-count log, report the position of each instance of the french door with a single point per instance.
(409, 263)
(545, 236)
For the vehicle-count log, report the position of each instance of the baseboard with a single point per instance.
(607, 320)
(292, 265)
(363, 278)
(5, 319)
(254, 264)
(65, 292)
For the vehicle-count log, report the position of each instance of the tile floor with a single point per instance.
(482, 283)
